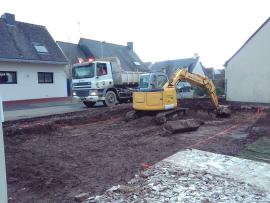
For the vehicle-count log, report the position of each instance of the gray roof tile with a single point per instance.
(71, 51)
(17, 43)
(98, 49)
(175, 64)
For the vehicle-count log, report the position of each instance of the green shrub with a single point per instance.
(220, 91)
(200, 91)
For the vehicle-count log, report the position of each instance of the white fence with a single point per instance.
(3, 180)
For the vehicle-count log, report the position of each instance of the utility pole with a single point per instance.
(101, 48)
(3, 179)
(79, 28)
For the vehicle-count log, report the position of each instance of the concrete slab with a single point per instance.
(254, 173)
(37, 109)
(195, 176)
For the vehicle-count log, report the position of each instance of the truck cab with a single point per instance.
(90, 80)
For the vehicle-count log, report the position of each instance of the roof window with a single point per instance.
(40, 48)
(137, 63)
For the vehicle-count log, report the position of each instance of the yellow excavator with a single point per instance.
(158, 94)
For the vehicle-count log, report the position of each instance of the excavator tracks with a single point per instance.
(172, 121)
(170, 115)
(160, 117)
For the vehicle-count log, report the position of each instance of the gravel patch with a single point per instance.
(170, 182)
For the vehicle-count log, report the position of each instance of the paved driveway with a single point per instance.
(30, 110)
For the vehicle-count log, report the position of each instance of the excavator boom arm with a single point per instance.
(197, 80)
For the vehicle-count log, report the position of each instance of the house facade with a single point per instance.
(193, 65)
(73, 54)
(247, 72)
(31, 64)
(209, 72)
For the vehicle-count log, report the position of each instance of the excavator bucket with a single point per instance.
(183, 125)
(223, 111)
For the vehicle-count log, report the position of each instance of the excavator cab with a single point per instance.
(152, 81)
(151, 95)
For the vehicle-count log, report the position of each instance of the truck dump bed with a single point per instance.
(121, 77)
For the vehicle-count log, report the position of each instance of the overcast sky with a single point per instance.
(160, 30)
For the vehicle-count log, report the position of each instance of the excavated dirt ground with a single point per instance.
(53, 159)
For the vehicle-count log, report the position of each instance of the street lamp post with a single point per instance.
(101, 48)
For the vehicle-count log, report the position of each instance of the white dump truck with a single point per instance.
(103, 80)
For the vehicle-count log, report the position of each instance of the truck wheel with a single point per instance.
(110, 99)
(89, 104)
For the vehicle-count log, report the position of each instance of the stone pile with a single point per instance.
(167, 182)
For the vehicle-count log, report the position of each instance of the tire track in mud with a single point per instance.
(231, 145)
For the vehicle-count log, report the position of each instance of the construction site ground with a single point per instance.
(195, 176)
(56, 158)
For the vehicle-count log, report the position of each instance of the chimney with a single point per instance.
(9, 18)
(130, 45)
(196, 55)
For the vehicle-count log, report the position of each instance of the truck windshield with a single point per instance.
(144, 81)
(87, 71)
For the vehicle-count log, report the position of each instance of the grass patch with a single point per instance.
(259, 150)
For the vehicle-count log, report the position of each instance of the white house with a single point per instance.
(247, 72)
(31, 64)
(193, 65)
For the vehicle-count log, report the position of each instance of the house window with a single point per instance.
(137, 63)
(45, 77)
(101, 69)
(40, 48)
(8, 77)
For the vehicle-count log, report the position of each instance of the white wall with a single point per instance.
(27, 86)
(248, 72)
(198, 69)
